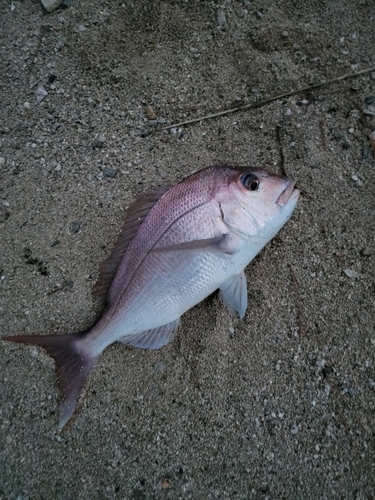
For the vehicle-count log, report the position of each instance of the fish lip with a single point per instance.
(288, 195)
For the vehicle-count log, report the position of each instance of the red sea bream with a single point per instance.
(178, 245)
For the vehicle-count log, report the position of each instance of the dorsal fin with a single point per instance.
(135, 215)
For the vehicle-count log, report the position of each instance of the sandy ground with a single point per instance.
(278, 405)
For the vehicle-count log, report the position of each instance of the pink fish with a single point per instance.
(178, 245)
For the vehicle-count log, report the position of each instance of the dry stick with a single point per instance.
(267, 101)
(282, 157)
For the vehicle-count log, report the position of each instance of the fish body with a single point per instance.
(178, 245)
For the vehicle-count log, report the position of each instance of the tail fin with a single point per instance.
(72, 365)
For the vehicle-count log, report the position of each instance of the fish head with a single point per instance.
(257, 204)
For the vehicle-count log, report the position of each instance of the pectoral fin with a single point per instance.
(233, 293)
(152, 339)
(217, 244)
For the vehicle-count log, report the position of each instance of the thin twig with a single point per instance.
(267, 101)
(301, 330)
(282, 157)
(43, 31)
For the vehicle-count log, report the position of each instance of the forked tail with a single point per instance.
(73, 365)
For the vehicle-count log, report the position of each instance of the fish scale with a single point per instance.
(178, 245)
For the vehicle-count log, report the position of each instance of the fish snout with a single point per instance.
(288, 194)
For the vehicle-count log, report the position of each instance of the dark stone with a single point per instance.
(370, 100)
(109, 172)
(75, 227)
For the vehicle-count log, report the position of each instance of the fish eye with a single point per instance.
(250, 182)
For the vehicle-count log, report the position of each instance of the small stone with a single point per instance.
(26, 105)
(109, 172)
(150, 113)
(165, 484)
(40, 93)
(294, 429)
(160, 367)
(321, 363)
(259, 15)
(55, 243)
(357, 181)
(51, 5)
(2, 161)
(370, 110)
(51, 78)
(101, 138)
(221, 20)
(370, 100)
(153, 123)
(346, 145)
(367, 251)
(75, 227)
(354, 113)
(350, 273)
(9, 440)
(373, 75)
(82, 27)
(285, 34)
(366, 152)
(288, 112)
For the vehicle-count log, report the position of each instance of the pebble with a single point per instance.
(2, 161)
(294, 429)
(354, 113)
(51, 5)
(346, 145)
(221, 18)
(370, 100)
(370, 110)
(373, 75)
(367, 251)
(150, 113)
(366, 152)
(75, 227)
(26, 105)
(356, 180)
(160, 366)
(9, 440)
(110, 172)
(288, 112)
(40, 93)
(350, 273)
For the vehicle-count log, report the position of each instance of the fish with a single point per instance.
(177, 246)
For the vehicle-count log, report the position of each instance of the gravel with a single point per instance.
(277, 405)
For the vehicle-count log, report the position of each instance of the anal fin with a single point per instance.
(152, 339)
(233, 293)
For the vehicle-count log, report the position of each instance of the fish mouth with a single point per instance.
(289, 194)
